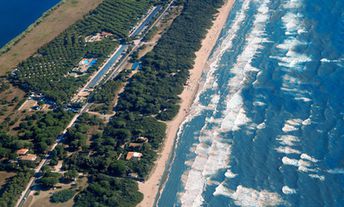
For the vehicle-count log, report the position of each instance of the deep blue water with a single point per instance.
(267, 128)
(17, 15)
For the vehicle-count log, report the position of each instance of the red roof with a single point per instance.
(133, 154)
(22, 151)
(29, 157)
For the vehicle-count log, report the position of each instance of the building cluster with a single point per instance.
(24, 155)
(136, 145)
(98, 37)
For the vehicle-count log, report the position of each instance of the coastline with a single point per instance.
(21, 35)
(151, 187)
(43, 30)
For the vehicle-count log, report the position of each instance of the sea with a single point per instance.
(267, 126)
(17, 15)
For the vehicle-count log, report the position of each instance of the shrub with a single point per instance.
(62, 196)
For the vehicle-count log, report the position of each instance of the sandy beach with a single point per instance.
(151, 187)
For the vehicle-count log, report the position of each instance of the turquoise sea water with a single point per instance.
(17, 15)
(267, 128)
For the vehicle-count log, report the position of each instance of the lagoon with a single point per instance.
(18, 15)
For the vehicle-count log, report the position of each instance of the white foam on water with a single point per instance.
(291, 125)
(287, 150)
(289, 140)
(259, 103)
(248, 197)
(290, 80)
(230, 174)
(320, 177)
(261, 126)
(212, 153)
(302, 165)
(287, 190)
(294, 122)
(336, 171)
(305, 164)
(304, 99)
(293, 4)
(235, 114)
(308, 157)
(307, 122)
(290, 161)
(289, 128)
(293, 59)
(289, 44)
(325, 60)
(290, 59)
(221, 190)
(292, 23)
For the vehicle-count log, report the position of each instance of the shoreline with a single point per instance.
(52, 23)
(152, 187)
(28, 29)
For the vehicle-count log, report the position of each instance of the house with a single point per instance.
(132, 155)
(28, 157)
(22, 151)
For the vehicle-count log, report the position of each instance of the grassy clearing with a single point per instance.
(10, 100)
(43, 199)
(4, 176)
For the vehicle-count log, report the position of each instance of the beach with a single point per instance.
(151, 187)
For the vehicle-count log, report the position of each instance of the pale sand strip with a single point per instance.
(151, 187)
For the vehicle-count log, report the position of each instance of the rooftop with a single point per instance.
(22, 151)
(131, 155)
(29, 157)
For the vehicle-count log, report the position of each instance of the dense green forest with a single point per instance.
(9, 194)
(108, 191)
(47, 70)
(36, 132)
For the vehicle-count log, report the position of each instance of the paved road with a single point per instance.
(138, 43)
